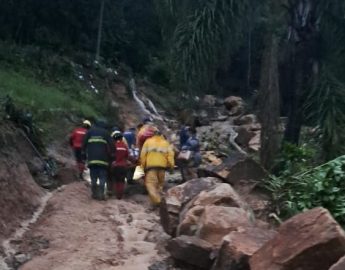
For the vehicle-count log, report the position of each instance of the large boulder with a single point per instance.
(177, 197)
(340, 265)
(191, 250)
(308, 241)
(245, 135)
(218, 221)
(235, 105)
(238, 247)
(234, 168)
(220, 195)
(222, 170)
(247, 169)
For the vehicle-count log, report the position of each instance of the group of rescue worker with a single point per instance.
(111, 155)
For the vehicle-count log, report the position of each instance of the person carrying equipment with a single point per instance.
(189, 167)
(156, 157)
(99, 150)
(184, 135)
(76, 142)
(129, 135)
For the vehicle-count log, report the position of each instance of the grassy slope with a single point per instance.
(50, 103)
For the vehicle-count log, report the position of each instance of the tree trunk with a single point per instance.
(99, 34)
(269, 103)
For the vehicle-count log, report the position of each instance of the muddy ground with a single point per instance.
(75, 232)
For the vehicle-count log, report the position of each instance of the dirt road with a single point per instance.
(84, 234)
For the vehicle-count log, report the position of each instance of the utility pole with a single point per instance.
(99, 35)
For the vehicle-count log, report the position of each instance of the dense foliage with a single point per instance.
(299, 188)
(131, 33)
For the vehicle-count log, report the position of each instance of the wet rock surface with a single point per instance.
(177, 197)
(238, 247)
(340, 265)
(192, 250)
(308, 241)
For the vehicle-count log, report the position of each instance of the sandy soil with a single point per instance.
(91, 235)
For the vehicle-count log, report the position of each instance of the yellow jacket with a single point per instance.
(157, 153)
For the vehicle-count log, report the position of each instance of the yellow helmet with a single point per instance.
(87, 123)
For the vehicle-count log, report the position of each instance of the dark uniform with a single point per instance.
(99, 149)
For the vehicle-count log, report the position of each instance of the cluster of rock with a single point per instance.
(213, 227)
(220, 118)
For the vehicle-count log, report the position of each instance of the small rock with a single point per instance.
(245, 120)
(22, 258)
(235, 105)
(209, 100)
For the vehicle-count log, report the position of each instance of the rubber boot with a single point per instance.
(119, 189)
(94, 192)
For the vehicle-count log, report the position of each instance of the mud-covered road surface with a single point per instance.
(80, 233)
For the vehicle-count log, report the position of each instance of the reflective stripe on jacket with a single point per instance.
(98, 147)
(121, 154)
(157, 153)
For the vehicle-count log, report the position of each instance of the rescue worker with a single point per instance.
(130, 137)
(76, 142)
(184, 135)
(119, 166)
(156, 157)
(145, 131)
(99, 151)
(189, 170)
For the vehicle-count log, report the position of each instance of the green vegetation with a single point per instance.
(42, 99)
(49, 103)
(320, 186)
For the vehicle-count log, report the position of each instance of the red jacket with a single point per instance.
(77, 137)
(121, 154)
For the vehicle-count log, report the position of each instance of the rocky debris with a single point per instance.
(22, 258)
(245, 134)
(212, 223)
(177, 197)
(221, 194)
(248, 119)
(235, 105)
(255, 143)
(246, 169)
(340, 265)
(308, 241)
(221, 171)
(191, 250)
(211, 158)
(218, 221)
(234, 168)
(238, 247)
(209, 100)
